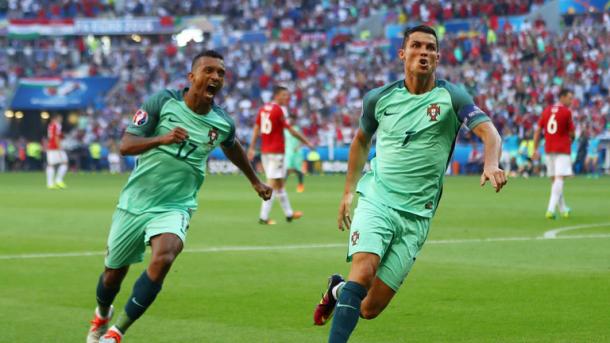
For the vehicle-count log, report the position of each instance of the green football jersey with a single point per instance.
(292, 143)
(168, 177)
(415, 138)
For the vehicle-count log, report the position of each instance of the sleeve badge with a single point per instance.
(140, 118)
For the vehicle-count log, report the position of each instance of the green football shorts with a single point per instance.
(294, 160)
(131, 233)
(395, 236)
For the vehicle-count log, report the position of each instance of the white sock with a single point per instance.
(61, 172)
(556, 191)
(266, 207)
(336, 289)
(110, 312)
(50, 175)
(283, 196)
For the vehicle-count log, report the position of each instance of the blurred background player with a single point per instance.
(591, 161)
(510, 150)
(270, 124)
(294, 155)
(114, 158)
(56, 156)
(558, 127)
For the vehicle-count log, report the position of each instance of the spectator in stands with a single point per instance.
(510, 72)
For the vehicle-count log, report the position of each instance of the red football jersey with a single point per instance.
(271, 121)
(556, 121)
(54, 135)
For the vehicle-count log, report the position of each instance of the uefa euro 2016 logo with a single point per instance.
(140, 118)
(433, 111)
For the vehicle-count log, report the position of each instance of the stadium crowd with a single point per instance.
(512, 74)
(306, 14)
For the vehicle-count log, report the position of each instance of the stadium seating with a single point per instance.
(511, 74)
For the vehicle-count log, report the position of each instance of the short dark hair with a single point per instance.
(278, 89)
(207, 53)
(419, 28)
(564, 91)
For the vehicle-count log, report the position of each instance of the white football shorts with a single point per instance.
(558, 165)
(274, 166)
(55, 157)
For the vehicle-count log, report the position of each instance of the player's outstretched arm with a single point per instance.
(255, 133)
(358, 153)
(299, 136)
(237, 155)
(135, 145)
(492, 149)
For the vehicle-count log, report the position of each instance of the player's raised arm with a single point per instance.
(492, 149)
(236, 154)
(358, 153)
(255, 133)
(134, 145)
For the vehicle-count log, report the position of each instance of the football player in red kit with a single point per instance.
(270, 124)
(556, 122)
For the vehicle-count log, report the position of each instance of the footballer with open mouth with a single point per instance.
(207, 79)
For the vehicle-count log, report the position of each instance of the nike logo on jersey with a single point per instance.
(386, 113)
(172, 120)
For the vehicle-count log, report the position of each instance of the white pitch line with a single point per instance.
(553, 233)
(266, 248)
(44, 255)
(301, 246)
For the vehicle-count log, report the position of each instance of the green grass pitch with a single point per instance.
(484, 275)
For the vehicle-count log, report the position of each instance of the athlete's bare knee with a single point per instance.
(164, 260)
(372, 306)
(364, 269)
(369, 313)
(160, 264)
(114, 277)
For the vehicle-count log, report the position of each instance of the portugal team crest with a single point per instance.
(355, 237)
(140, 118)
(434, 111)
(212, 135)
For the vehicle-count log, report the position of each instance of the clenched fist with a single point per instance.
(263, 190)
(177, 135)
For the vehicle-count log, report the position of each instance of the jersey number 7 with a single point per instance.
(408, 136)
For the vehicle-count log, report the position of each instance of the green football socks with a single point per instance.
(144, 293)
(347, 312)
(105, 296)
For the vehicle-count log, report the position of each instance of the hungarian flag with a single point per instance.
(34, 28)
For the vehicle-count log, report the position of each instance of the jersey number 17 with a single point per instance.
(190, 151)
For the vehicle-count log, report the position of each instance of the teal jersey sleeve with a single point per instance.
(146, 118)
(368, 120)
(463, 106)
(230, 140)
